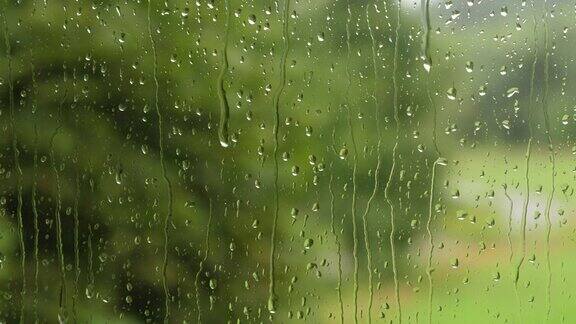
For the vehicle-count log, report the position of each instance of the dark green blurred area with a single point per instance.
(85, 124)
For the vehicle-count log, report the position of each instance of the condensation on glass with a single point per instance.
(234, 161)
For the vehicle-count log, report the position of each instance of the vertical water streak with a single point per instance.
(203, 261)
(76, 249)
(354, 160)
(224, 106)
(378, 163)
(59, 244)
(553, 160)
(168, 217)
(425, 7)
(272, 298)
(34, 203)
(338, 247)
(17, 166)
(393, 168)
(527, 174)
(429, 268)
(91, 276)
(509, 233)
(36, 226)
